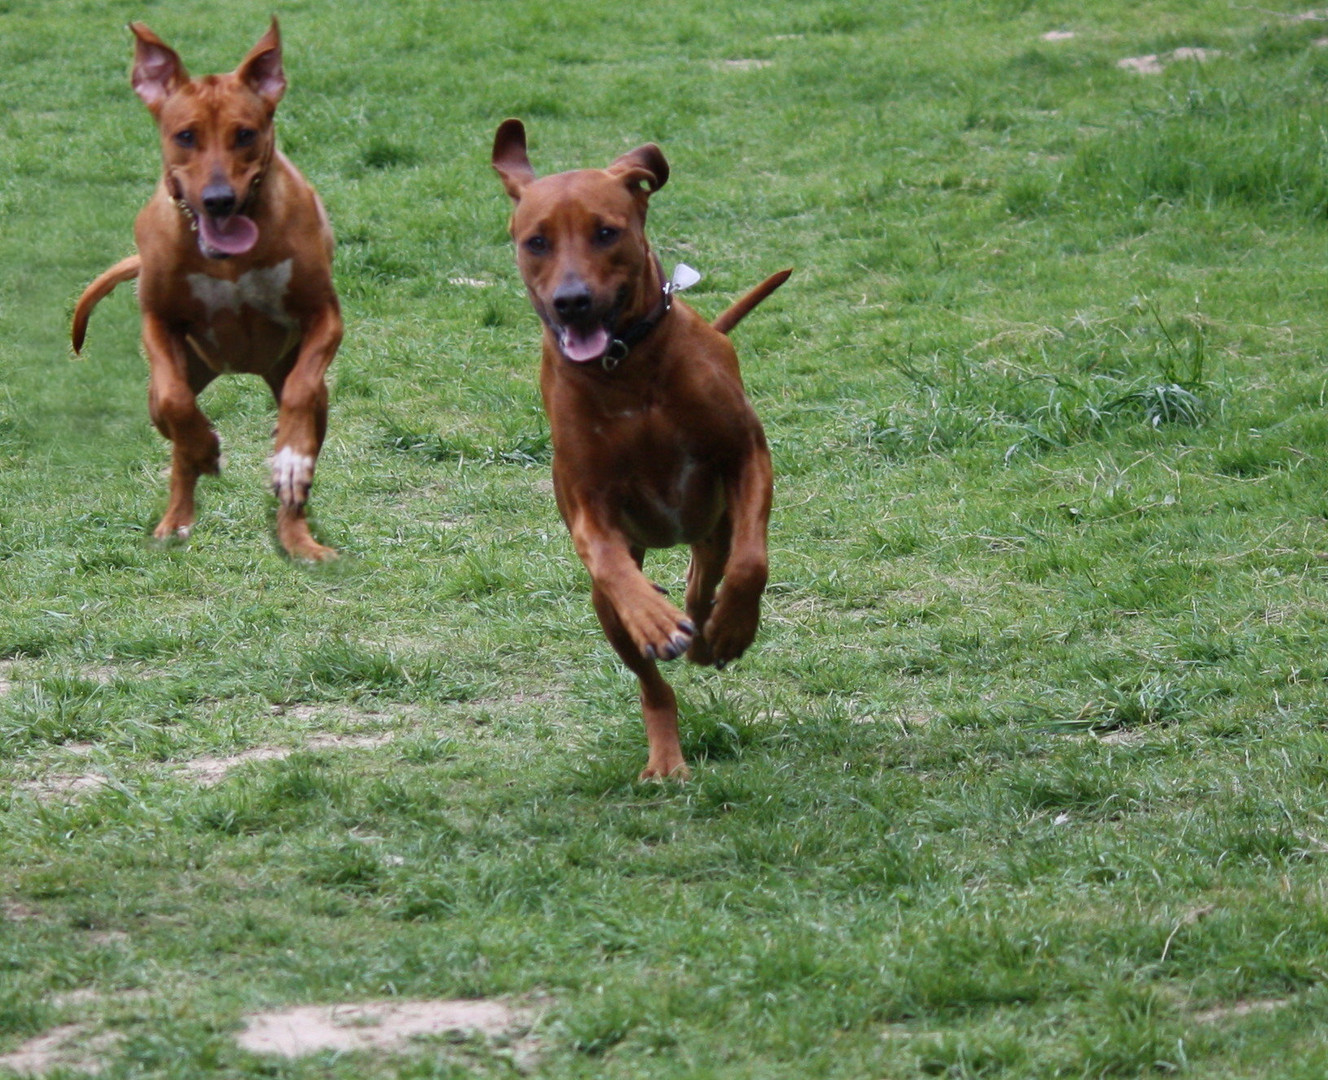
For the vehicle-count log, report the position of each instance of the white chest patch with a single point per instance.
(263, 290)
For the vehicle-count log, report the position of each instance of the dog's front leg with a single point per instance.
(173, 387)
(659, 705)
(301, 425)
(732, 624)
(656, 629)
(642, 626)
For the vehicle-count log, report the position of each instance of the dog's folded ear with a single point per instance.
(509, 157)
(644, 165)
(158, 71)
(261, 69)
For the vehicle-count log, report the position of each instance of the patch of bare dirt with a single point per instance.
(13, 911)
(6, 680)
(380, 1025)
(1122, 737)
(71, 1046)
(518, 702)
(61, 784)
(212, 770)
(1153, 64)
(1142, 65)
(85, 997)
(1240, 1008)
(108, 937)
(1058, 35)
(206, 770)
(746, 64)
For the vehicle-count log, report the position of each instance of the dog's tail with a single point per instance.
(124, 270)
(738, 311)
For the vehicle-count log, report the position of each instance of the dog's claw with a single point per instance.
(688, 627)
(720, 665)
(649, 652)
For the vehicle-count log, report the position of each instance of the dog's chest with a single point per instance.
(671, 494)
(245, 324)
(263, 289)
(677, 506)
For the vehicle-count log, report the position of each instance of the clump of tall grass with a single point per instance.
(960, 402)
(1247, 141)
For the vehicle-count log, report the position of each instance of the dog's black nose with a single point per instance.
(571, 300)
(219, 200)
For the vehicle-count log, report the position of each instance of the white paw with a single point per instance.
(292, 476)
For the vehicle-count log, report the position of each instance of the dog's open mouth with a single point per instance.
(222, 237)
(582, 344)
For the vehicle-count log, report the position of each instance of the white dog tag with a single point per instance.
(684, 277)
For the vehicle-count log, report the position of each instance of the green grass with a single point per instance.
(1025, 776)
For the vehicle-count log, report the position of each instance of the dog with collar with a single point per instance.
(654, 441)
(234, 269)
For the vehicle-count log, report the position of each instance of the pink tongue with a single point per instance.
(233, 235)
(583, 345)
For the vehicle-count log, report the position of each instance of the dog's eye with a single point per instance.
(537, 245)
(186, 138)
(245, 137)
(606, 235)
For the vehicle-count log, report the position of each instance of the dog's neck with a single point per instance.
(625, 339)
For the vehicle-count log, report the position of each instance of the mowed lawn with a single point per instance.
(1026, 773)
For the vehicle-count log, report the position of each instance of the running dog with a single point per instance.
(234, 271)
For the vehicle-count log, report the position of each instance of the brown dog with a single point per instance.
(235, 274)
(654, 441)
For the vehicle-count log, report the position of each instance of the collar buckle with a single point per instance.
(616, 354)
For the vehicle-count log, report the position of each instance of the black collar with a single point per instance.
(624, 341)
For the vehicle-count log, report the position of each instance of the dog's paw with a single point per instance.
(293, 532)
(670, 639)
(666, 770)
(167, 531)
(699, 651)
(659, 629)
(728, 632)
(292, 476)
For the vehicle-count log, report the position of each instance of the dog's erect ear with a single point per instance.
(158, 72)
(509, 157)
(261, 69)
(644, 165)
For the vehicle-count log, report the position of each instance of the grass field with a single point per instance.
(1026, 774)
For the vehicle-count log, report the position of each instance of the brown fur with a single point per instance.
(269, 311)
(661, 449)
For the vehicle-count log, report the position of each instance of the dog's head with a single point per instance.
(216, 134)
(581, 243)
